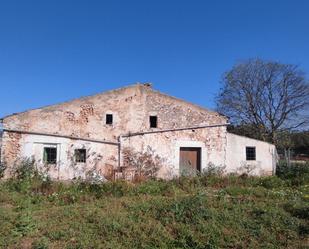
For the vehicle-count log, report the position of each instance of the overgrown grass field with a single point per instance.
(207, 211)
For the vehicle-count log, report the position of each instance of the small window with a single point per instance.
(153, 121)
(109, 119)
(80, 155)
(50, 155)
(250, 154)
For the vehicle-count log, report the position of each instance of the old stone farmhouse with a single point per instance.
(91, 134)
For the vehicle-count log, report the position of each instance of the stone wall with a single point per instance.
(131, 107)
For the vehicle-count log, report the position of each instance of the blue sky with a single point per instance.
(53, 51)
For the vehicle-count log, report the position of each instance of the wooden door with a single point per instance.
(189, 160)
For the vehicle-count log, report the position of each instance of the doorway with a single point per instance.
(189, 160)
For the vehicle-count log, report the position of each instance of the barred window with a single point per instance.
(50, 155)
(80, 155)
(250, 154)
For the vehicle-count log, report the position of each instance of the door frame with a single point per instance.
(189, 144)
(198, 151)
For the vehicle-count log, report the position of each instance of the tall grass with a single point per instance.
(206, 211)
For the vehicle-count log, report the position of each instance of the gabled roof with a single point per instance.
(148, 85)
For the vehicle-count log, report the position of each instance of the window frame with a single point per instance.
(46, 155)
(83, 154)
(109, 119)
(151, 121)
(250, 155)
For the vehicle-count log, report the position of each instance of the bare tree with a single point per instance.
(267, 96)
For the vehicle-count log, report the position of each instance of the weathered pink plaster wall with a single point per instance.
(131, 107)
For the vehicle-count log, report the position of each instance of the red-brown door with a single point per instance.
(189, 160)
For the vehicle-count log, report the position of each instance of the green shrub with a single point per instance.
(25, 176)
(24, 224)
(237, 190)
(303, 229)
(299, 210)
(154, 187)
(186, 184)
(271, 182)
(24, 169)
(188, 209)
(297, 173)
(116, 188)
